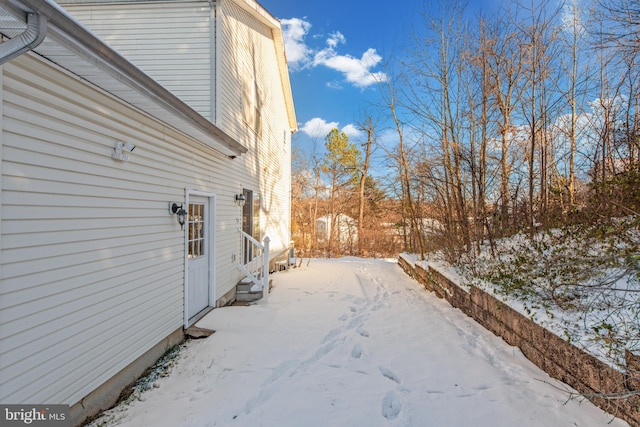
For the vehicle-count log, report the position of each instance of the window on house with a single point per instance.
(256, 217)
(251, 101)
(251, 219)
(251, 214)
(196, 230)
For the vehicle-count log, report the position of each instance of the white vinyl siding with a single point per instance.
(246, 43)
(169, 41)
(92, 263)
(160, 37)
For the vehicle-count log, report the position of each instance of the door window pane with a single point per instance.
(196, 230)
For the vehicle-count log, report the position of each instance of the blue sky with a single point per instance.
(337, 51)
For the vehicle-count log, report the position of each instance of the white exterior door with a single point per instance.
(199, 289)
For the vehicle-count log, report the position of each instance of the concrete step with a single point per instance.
(244, 287)
(244, 292)
(248, 296)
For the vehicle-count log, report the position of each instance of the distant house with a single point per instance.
(343, 227)
(160, 113)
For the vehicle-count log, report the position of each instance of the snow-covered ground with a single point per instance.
(352, 342)
(580, 282)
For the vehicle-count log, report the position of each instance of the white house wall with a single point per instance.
(169, 40)
(92, 262)
(245, 40)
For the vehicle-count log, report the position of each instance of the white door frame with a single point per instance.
(211, 234)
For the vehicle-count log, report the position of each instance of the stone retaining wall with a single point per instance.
(600, 383)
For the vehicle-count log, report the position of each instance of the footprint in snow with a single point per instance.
(391, 406)
(356, 353)
(331, 335)
(388, 374)
(362, 332)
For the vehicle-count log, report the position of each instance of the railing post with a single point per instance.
(265, 274)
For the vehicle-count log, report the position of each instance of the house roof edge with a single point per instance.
(73, 36)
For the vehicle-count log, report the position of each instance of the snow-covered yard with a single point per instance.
(352, 342)
(580, 282)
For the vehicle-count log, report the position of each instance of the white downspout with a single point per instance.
(31, 37)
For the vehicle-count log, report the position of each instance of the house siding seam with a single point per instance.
(91, 260)
(92, 264)
(169, 41)
(249, 41)
(239, 40)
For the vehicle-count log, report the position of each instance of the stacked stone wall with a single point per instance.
(612, 390)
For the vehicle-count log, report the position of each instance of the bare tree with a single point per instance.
(341, 159)
(301, 187)
(621, 25)
(367, 127)
(505, 66)
(414, 239)
(573, 43)
(539, 37)
(436, 92)
(480, 127)
(307, 194)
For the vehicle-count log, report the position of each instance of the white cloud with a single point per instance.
(294, 31)
(318, 127)
(356, 71)
(335, 39)
(351, 131)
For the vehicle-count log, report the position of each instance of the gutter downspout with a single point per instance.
(34, 35)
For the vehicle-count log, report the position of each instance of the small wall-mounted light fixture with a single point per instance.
(119, 148)
(240, 199)
(178, 210)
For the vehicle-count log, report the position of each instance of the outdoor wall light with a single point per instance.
(240, 199)
(120, 148)
(177, 209)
